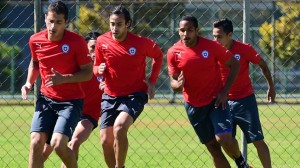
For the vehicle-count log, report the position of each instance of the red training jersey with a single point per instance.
(242, 86)
(126, 63)
(64, 56)
(92, 98)
(200, 68)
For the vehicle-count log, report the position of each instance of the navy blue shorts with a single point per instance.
(209, 121)
(91, 119)
(245, 114)
(112, 106)
(53, 116)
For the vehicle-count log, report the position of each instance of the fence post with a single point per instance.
(37, 28)
(246, 21)
(273, 39)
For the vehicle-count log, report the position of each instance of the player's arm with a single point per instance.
(234, 67)
(99, 63)
(176, 81)
(157, 58)
(85, 73)
(33, 73)
(267, 74)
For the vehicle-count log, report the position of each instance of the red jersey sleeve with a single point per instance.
(31, 45)
(98, 57)
(153, 51)
(252, 55)
(171, 59)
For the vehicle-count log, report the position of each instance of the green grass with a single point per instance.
(161, 137)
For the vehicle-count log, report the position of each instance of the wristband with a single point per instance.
(28, 85)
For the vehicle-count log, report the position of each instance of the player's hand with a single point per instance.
(221, 100)
(271, 94)
(101, 68)
(25, 90)
(180, 81)
(54, 79)
(102, 85)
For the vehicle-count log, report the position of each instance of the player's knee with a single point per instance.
(37, 142)
(120, 131)
(106, 141)
(214, 148)
(224, 139)
(57, 146)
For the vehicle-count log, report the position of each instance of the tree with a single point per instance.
(8, 71)
(91, 18)
(287, 34)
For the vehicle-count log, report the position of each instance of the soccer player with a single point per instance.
(60, 57)
(91, 106)
(241, 96)
(193, 66)
(121, 59)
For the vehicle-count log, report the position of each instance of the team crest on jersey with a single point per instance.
(65, 48)
(204, 54)
(237, 56)
(132, 51)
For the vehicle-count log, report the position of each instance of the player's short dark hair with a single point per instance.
(190, 18)
(58, 7)
(121, 10)
(92, 36)
(225, 24)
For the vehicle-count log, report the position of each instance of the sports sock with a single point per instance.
(241, 163)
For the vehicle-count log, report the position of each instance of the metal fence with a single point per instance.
(272, 27)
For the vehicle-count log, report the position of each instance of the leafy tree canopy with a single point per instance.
(287, 34)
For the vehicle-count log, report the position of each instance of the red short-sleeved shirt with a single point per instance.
(126, 63)
(65, 56)
(92, 98)
(245, 54)
(200, 68)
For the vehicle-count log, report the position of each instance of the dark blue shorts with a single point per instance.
(91, 119)
(209, 121)
(53, 116)
(245, 114)
(112, 106)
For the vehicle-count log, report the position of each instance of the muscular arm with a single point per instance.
(85, 73)
(156, 65)
(234, 66)
(267, 74)
(33, 73)
(176, 81)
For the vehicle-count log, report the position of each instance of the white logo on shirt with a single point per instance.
(39, 45)
(65, 48)
(132, 51)
(104, 46)
(237, 56)
(204, 54)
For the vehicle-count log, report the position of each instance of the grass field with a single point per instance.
(161, 137)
